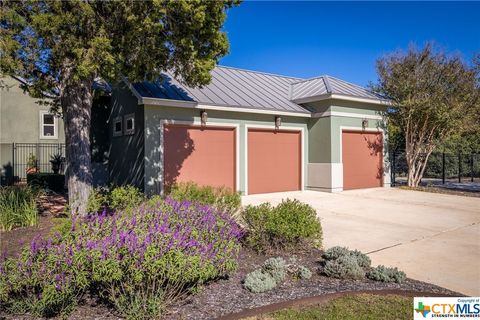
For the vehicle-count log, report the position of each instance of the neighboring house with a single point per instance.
(28, 124)
(250, 131)
(28, 128)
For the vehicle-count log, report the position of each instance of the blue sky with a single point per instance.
(343, 39)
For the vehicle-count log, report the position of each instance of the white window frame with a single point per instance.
(127, 117)
(115, 121)
(42, 124)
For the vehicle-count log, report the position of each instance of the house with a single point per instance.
(250, 131)
(30, 132)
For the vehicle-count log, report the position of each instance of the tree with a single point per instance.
(433, 96)
(61, 47)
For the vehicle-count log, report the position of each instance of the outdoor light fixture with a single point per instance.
(203, 117)
(364, 124)
(278, 122)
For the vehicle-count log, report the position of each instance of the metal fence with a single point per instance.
(442, 168)
(34, 157)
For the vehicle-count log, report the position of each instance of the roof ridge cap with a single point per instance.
(327, 84)
(261, 72)
(310, 79)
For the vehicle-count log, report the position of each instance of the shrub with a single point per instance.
(336, 252)
(52, 181)
(276, 267)
(18, 207)
(118, 198)
(344, 267)
(304, 273)
(222, 198)
(284, 226)
(384, 274)
(259, 281)
(138, 261)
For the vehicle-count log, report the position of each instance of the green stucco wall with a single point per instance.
(126, 154)
(155, 114)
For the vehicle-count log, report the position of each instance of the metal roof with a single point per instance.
(238, 88)
(312, 89)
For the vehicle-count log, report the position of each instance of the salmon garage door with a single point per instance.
(362, 155)
(205, 156)
(274, 161)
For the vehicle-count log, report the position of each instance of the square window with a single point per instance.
(48, 131)
(48, 119)
(130, 124)
(117, 127)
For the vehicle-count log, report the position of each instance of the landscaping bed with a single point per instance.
(228, 296)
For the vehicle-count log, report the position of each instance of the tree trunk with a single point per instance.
(76, 101)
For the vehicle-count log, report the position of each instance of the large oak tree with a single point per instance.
(61, 47)
(434, 96)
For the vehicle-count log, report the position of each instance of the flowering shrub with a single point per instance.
(138, 261)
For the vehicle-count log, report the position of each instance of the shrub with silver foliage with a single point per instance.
(276, 267)
(385, 274)
(345, 267)
(304, 273)
(259, 281)
(336, 252)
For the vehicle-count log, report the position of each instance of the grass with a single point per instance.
(18, 207)
(350, 307)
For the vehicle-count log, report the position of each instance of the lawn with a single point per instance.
(362, 306)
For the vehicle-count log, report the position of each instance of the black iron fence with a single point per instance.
(35, 157)
(442, 168)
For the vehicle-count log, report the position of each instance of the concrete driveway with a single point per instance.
(432, 237)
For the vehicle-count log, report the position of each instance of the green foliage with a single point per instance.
(258, 281)
(125, 197)
(222, 198)
(138, 261)
(336, 252)
(276, 267)
(344, 267)
(18, 207)
(304, 273)
(385, 274)
(118, 198)
(45, 180)
(43, 40)
(433, 97)
(31, 161)
(285, 226)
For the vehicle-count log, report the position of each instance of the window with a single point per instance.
(130, 124)
(117, 127)
(48, 125)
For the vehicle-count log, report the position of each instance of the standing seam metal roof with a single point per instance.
(240, 88)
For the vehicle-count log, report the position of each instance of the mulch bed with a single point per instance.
(228, 296)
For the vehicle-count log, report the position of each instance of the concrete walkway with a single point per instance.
(432, 237)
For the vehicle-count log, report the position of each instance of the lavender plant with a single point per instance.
(138, 261)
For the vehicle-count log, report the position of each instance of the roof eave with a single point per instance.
(202, 106)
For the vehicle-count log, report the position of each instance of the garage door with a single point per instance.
(205, 156)
(274, 161)
(362, 156)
